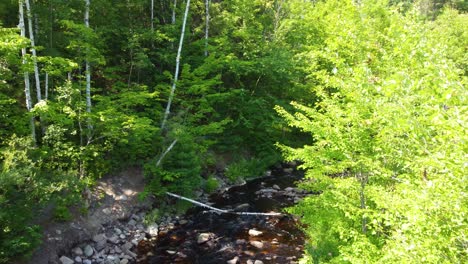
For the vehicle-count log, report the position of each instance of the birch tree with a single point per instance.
(33, 50)
(174, 12)
(152, 19)
(207, 24)
(88, 72)
(176, 74)
(27, 90)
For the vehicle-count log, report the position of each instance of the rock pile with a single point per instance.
(114, 244)
(290, 193)
(121, 242)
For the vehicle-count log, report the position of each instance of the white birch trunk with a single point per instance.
(27, 90)
(176, 75)
(88, 67)
(174, 12)
(152, 16)
(207, 24)
(165, 152)
(46, 86)
(33, 51)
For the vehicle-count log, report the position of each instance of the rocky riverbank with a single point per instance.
(115, 231)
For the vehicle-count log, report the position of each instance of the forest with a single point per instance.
(368, 96)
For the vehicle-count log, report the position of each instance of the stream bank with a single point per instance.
(114, 231)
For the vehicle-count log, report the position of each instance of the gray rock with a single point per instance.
(258, 262)
(257, 244)
(253, 232)
(88, 251)
(124, 261)
(132, 222)
(276, 187)
(128, 245)
(78, 259)
(136, 217)
(135, 241)
(122, 197)
(204, 237)
(117, 250)
(77, 251)
(66, 260)
(288, 170)
(114, 259)
(107, 211)
(114, 239)
(99, 237)
(122, 236)
(101, 244)
(240, 241)
(152, 229)
(249, 262)
(130, 253)
(233, 261)
(87, 261)
(183, 222)
(117, 231)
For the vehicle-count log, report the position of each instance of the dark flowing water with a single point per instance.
(228, 238)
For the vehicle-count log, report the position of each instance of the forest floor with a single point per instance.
(113, 199)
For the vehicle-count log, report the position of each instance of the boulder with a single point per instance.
(66, 260)
(88, 251)
(256, 244)
(99, 237)
(152, 229)
(204, 237)
(77, 251)
(235, 260)
(253, 232)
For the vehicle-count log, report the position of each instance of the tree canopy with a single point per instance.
(370, 97)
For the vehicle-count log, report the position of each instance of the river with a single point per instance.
(206, 237)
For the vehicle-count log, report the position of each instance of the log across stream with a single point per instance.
(206, 237)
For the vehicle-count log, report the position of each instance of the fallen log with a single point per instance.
(220, 211)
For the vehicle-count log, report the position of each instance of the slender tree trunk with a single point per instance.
(27, 90)
(363, 180)
(46, 86)
(36, 27)
(165, 152)
(174, 12)
(152, 16)
(176, 75)
(88, 75)
(33, 50)
(207, 24)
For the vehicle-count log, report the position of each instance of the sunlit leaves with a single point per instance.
(386, 85)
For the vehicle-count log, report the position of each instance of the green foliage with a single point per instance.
(211, 184)
(246, 168)
(152, 217)
(389, 138)
(180, 171)
(20, 191)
